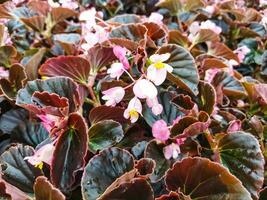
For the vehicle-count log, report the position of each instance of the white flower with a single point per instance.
(113, 95)
(145, 89)
(157, 71)
(116, 70)
(133, 110)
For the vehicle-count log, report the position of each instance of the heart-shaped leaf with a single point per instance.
(155, 152)
(60, 14)
(12, 118)
(62, 86)
(125, 19)
(37, 23)
(103, 169)
(231, 86)
(43, 189)
(240, 152)
(137, 188)
(201, 178)
(16, 170)
(131, 32)
(218, 49)
(176, 37)
(100, 113)
(6, 53)
(30, 133)
(69, 153)
(205, 35)
(184, 73)
(104, 134)
(74, 67)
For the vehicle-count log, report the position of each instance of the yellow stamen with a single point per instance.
(133, 113)
(39, 165)
(159, 65)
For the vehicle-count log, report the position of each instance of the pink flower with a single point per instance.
(156, 18)
(116, 70)
(144, 89)
(160, 130)
(48, 121)
(44, 154)
(210, 25)
(210, 74)
(155, 106)
(263, 3)
(171, 151)
(242, 52)
(121, 53)
(234, 125)
(210, 9)
(63, 3)
(6, 40)
(157, 71)
(133, 110)
(113, 95)
(4, 73)
(180, 141)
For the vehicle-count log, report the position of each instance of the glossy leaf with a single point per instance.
(31, 67)
(137, 188)
(44, 190)
(12, 118)
(125, 19)
(170, 111)
(205, 35)
(104, 134)
(100, 113)
(206, 97)
(218, 49)
(74, 67)
(6, 53)
(184, 72)
(69, 154)
(62, 86)
(37, 23)
(60, 14)
(202, 178)
(30, 133)
(240, 152)
(16, 170)
(155, 152)
(103, 169)
(16, 80)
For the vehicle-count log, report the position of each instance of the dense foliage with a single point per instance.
(127, 100)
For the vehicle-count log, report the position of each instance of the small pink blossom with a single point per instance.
(48, 121)
(4, 73)
(133, 110)
(180, 141)
(263, 3)
(176, 120)
(63, 3)
(160, 130)
(157, 71)
(171, 151)
(121, 54)
(44, 154)
(6, 40)
(234, 125)
(210, 74)
(116, 70)
(242, 52)
(155, 106)
(89, 17)
(210, 9)
(156, 18)
(113, 96)
(144, 89)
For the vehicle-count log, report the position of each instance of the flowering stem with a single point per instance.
(91, 82)
(213, 145)
(129, 75)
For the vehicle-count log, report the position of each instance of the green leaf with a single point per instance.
(103, 169)
(6, 53)
(70, 152)
(104, 134)
(184, 73)
(155, 152)
(16, 170)
(62, 86)
(201, 178)
(240, 152)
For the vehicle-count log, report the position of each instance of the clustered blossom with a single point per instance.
(143, 88)
(71, 4)
(195, 27)
(92, 33)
